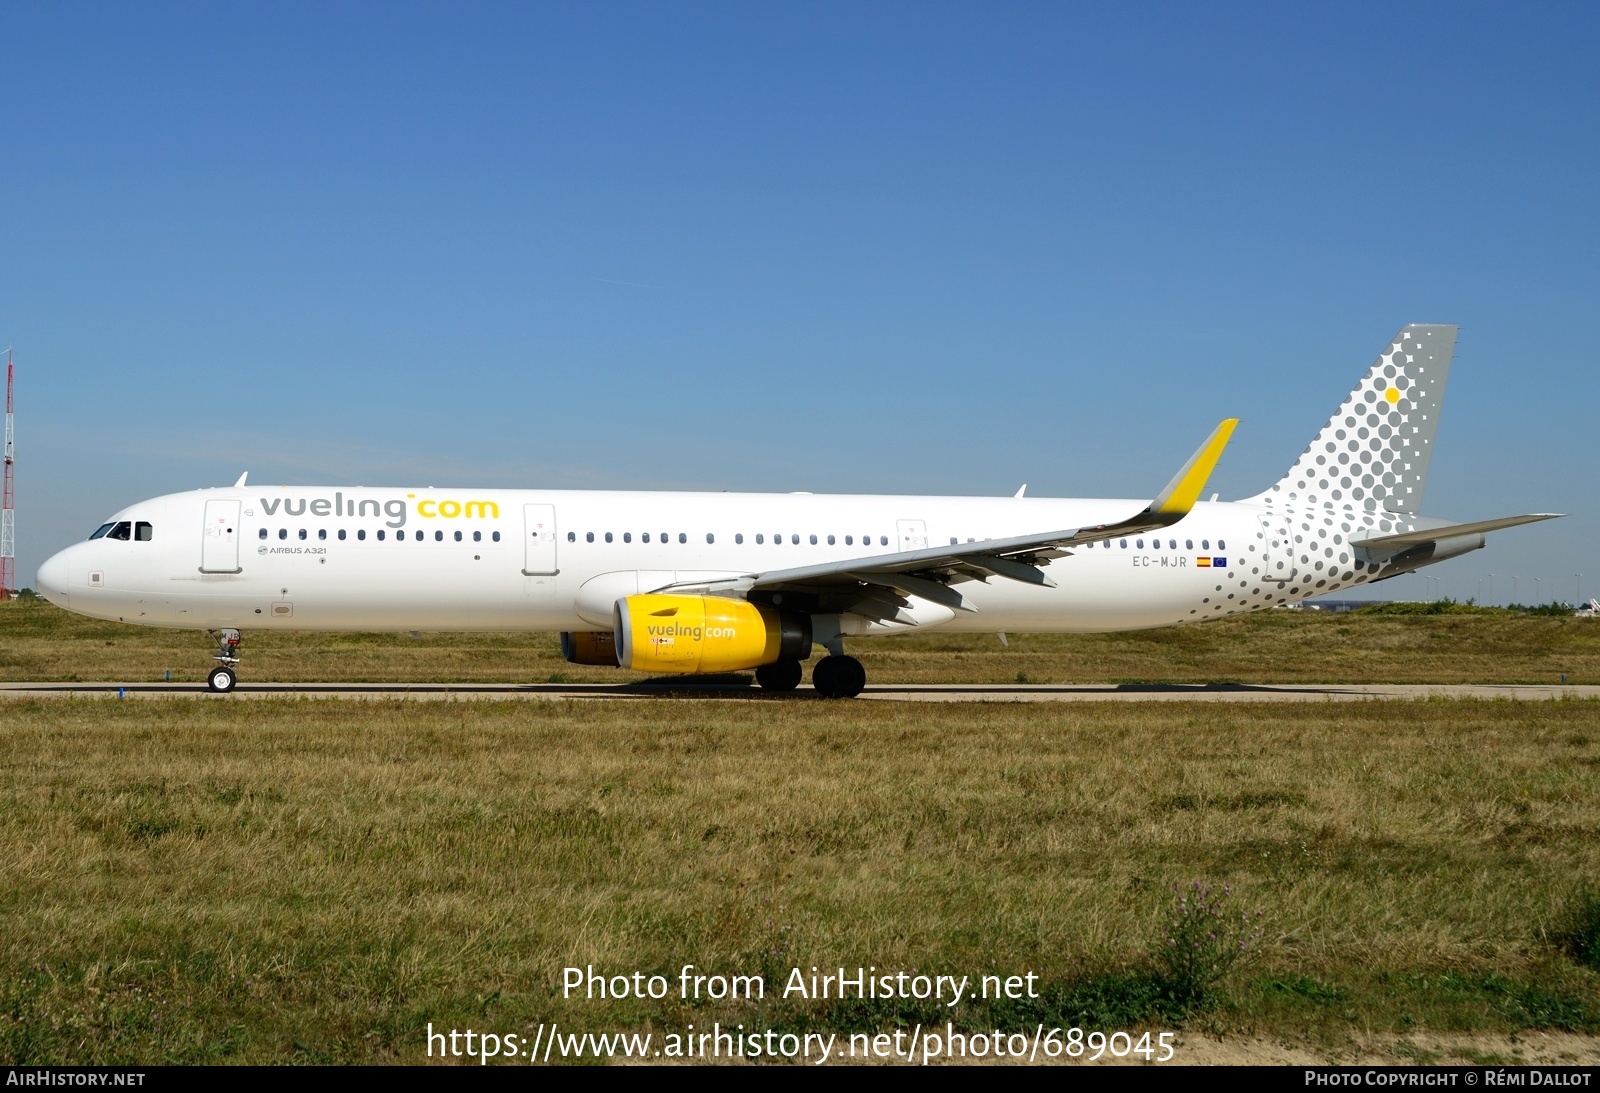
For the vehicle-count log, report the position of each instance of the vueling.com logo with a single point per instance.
(664, 633)
(394, 508)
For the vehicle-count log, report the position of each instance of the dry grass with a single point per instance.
(40, 642)
(316, 880)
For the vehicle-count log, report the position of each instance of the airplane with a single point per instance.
(699, 583)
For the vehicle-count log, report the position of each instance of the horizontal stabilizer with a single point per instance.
(1449, 531)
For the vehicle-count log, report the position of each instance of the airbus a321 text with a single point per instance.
(720, 582)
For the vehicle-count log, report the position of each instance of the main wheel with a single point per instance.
(838, 677)
(221, 680)
(852, 677)
(783, 675)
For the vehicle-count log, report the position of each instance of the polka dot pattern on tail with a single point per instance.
(1373, 454)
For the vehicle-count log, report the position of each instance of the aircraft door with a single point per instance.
(539, 540)
(913, 534)
(219, 543)
(1277, 547)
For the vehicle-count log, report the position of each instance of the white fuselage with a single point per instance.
(361, 559)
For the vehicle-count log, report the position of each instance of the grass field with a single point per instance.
(41, 642)
(315, 880)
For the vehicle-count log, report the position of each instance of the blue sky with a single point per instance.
(868, 248)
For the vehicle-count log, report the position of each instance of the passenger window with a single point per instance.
(739, 538)
(759, 539)
(496, 536)
(362, 534)
(283, 533)
(952, 540)
(302, 533)
(143, 532)
(627, 537)
(101, 531)
(665, 538)
(813, 540)
(380, 535)
(883, 540)
(710, 538)
(849, 540)
(1205, 544)
(477, 537)
(682, 538)
(1139, 543)
(458, 536)
(1221, 545)
(572, 537)
(438, 536)
(608, 536)
(588, 536)
(1172, 544)
(645, 538)
(1124, 544)
(795, 539)
(1188, 544)
(830, 540)
(341, 535)
(322, 533)
(263, 534)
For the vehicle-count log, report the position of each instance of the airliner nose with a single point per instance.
(51, 582)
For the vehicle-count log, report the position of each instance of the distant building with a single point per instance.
(1333, 606)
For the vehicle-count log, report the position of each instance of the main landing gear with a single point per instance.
(838, 676)
(782, 675)
(225, 675)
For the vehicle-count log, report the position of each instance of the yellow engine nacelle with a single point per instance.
(589, 647)
(689, 634)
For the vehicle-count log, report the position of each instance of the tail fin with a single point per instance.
(1373, 453)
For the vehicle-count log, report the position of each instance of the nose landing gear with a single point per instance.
(838, 676)
(226, 674)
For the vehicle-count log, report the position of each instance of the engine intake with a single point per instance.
(699, 634)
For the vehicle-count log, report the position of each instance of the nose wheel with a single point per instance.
(839, 677)
(225, 676)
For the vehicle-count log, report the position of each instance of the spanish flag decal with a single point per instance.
(1203, 563)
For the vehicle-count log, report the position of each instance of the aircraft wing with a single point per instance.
(879, 585)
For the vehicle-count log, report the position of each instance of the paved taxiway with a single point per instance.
(885, 692)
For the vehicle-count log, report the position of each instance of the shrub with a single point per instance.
(1203, 940)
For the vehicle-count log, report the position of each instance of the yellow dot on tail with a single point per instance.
(1392, 395)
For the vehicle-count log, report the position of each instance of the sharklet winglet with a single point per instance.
(1184, 489)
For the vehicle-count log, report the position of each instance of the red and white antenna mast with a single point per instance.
(8, 502)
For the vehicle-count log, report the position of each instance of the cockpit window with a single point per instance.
(123, 530)
(143, 531)
(99, 532)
